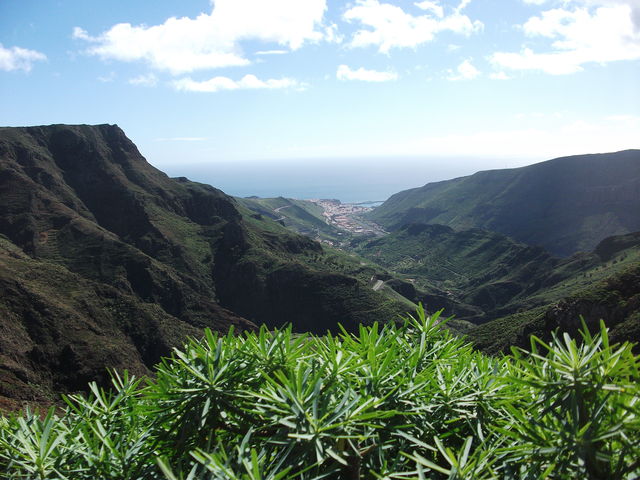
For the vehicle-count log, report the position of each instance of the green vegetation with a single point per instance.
(86, 287)
(301, 216)
(394, 401)
(192, 237)
(565, 205)
(615, 297)
(481, 276)
(472, 267)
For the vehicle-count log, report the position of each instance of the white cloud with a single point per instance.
(432, 7)
(17, 58)
(271, 52)
(579, 36)
(464, 71)
(552, 63)
(331, 34)
(499, 76)
(463, 5)
(248, 82)
(345, 73)
(536, 138)
(212, 40)
(623, 118)
(633, 4)
(148, 80)
(388, 26)
(110, 77)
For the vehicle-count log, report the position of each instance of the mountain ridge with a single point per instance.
(565, 204)
(82, 211)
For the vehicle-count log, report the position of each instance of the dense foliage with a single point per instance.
(396, 401)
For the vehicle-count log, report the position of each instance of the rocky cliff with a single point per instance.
(106, 262)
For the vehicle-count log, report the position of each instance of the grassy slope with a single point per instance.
(301, 216)
(565, 205)
(491, 272)
(321, 282)
(61, 330)
(83, 199)
(455, 261)
(615, 299)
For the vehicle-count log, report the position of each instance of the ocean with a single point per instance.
(349, 180)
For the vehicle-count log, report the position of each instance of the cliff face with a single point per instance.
(107, 262)
(83, 197)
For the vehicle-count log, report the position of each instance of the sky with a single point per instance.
(197, 83)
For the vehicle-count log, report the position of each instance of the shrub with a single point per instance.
(395, 401)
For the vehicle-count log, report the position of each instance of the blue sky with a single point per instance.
(199, 82)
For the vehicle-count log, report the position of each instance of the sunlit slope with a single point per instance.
(301, 216)
(566, 205)
(79, 206)
(490, 273)
(615, 298)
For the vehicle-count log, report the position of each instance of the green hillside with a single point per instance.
(61, 330)
(102, 253)
(479, 276)
(301, 216)
(459, 263)
(616, 298)
(564, 205)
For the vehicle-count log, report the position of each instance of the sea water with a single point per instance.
(347, 180)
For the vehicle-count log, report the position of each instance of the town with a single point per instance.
(348, 217)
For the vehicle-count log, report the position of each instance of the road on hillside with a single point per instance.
(277, 210)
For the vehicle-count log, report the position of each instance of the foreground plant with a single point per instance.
(395, 401)
(583, 417)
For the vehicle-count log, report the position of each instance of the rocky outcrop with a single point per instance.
(617, 302)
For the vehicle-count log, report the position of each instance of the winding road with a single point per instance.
(277, 210)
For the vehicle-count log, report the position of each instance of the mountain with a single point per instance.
(61, 330)
(106, 262)
(476, 268)
(481, 276)
(565, 205)
(301, 216)
(615, 300)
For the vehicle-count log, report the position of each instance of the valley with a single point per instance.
(328, 221)
(349, 217)
(170, 313)
(320, 240)
(481, 277)
(163, 258)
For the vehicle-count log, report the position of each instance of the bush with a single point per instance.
(395, 401)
